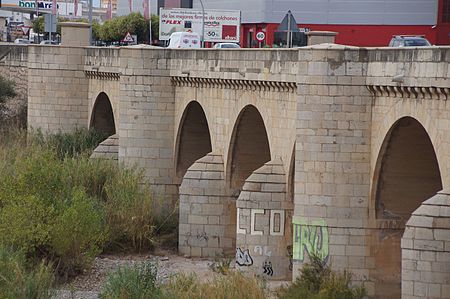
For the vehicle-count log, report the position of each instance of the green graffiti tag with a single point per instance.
(310, 237)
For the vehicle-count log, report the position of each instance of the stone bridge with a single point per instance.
(273, 155)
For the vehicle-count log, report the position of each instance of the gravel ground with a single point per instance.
(89, 285)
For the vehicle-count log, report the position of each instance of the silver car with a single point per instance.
(409, 41)
(22, 41)
(226, 46)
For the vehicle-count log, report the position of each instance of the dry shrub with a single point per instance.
(234, 285)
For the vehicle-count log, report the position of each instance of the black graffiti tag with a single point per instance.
(243, 258)
(268, 270)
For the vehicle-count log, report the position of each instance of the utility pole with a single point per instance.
(203, 24)
(90, 22)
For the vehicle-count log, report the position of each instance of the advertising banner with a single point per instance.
(220, 25)
(64, 9)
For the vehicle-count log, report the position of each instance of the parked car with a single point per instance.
(22, 41)
(184, 40)
(49, 42)
(409, 41)
(226, 46)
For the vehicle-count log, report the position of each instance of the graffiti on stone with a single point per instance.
(310, 238)
(243, 258)
(202, 236)
(263, 250)
(267, 268)
(249, 222)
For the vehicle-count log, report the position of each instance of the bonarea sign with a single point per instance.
(64, 9)
(220, 25)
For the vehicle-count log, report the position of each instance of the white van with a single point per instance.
(184, 40)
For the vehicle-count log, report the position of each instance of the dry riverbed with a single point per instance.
(89, 285)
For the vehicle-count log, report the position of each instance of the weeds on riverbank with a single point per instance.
(20, 281)
(139, 282)
(318, 281)
(56, 204)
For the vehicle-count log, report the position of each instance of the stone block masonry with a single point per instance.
(264, 235)
(335, 114)
(207, 212)
(57, 89)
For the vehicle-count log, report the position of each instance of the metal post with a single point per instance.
(203, 24)
(90, 22)
(150, 30)
(37, 17)
(288, 37)
(150, 22)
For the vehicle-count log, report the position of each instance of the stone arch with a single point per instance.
(193, 138)
(249, 147)
(406, 174)
(102, 116)
(384, 124)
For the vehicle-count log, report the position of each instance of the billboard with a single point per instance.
(64, 8)
(220, 25)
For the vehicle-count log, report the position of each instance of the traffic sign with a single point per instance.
(128, 38)
(25, 29)
(260, 36)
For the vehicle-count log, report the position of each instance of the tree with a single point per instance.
(134, 23)
(155, 27)
(38, 25)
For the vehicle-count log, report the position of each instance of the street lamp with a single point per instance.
(203, 24)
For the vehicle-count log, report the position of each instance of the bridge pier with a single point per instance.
(426, 250)
(264, 234)
(207, 212)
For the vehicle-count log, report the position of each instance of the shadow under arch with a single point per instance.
(406, 174)
(193, 138)
(291, 177)
(249, 147)
(102, 117)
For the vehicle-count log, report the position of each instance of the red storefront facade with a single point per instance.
(361, 35)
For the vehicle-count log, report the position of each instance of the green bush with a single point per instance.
(137, 282)
(25, 223)
(318, 281)
(129, 211)
(57, 204)
(19, 282)
(81, 141)
(78, 234)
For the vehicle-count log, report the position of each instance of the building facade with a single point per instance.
(359, 23)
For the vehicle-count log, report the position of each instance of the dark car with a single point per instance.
(409, 41)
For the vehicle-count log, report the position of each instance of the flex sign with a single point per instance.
(220, 25)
